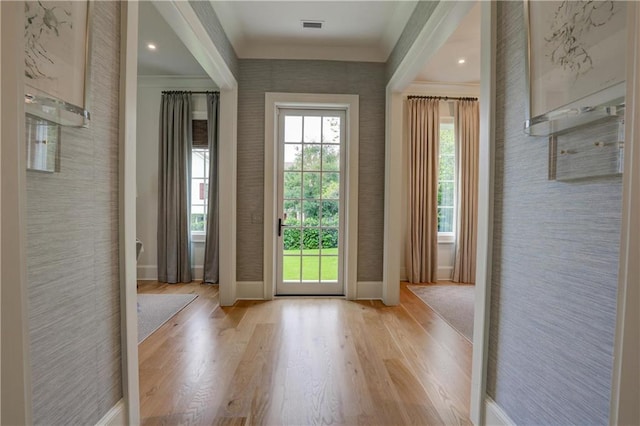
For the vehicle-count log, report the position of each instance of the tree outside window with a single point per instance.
(446, 179)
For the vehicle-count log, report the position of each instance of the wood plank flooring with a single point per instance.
(303, 362)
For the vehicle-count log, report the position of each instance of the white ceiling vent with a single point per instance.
(312, 24)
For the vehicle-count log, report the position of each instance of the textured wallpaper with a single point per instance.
(211, 23)
(553, 302)
(72, 255)
(360, 78)
(418, 18)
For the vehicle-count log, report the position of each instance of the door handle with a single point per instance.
(280, 226)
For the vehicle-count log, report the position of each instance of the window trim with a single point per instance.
(198, 236)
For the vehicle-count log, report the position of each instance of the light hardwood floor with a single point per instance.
(303, 362)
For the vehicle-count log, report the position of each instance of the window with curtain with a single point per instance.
(446, 178)
(199, 177)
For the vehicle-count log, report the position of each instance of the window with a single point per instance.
(199, 177)
(446, 179)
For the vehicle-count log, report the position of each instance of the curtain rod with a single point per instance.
(169, 92)
(442, 98)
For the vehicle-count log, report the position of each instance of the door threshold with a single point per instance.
(310, 296)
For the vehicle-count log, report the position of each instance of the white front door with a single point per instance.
(311, 162)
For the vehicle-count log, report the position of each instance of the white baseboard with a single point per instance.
(150, 272)
(494, 415)
(369, 290)
(445, 273)
(250, 290)
(147, 272)
(116, 416)
(198, 272)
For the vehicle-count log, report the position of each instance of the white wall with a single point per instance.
(149, 94)
(446, 248)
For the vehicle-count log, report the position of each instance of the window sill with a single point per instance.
(446, 238)
(198, 237)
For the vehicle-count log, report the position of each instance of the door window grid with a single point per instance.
(326, 237)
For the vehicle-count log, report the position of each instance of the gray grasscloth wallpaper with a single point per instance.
(360, 78)
(419, 17)
(553, 301)
(72, 254)
(211, 23)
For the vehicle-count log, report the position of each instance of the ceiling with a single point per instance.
(464, 43)
(352, 30)
(171, 57)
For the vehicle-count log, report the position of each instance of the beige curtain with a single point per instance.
(422, 225)
(467, 133)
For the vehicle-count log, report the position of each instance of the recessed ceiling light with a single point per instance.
(151, 46)
(462, 60)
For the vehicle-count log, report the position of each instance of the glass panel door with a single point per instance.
(310, 189)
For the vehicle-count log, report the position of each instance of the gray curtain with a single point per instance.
(467, 131)
(212, 246)
(422, 225)
(174, 183)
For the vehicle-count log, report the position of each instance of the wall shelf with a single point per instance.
(563, 120)
(56, 111)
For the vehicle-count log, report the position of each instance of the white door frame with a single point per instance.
(127, 212)
(310, 101)
(625, 388)
(309, 287)
(16, 362)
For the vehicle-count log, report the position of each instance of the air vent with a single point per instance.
(312, 24)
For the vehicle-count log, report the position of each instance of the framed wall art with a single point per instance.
(576, 57)
(56, 48)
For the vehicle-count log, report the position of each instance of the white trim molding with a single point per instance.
(495, 416)
(445, 273)
(369, 290)
(16, 361)
(484, 260)
(116, 416)
(150, 272)
(310, 100)
(127, 213)
(625, 387)
(227, 171)
(250, 290)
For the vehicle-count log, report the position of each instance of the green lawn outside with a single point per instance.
(312, 268)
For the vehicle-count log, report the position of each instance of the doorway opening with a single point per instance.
(311, 187)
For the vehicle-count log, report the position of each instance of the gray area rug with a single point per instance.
(156, 309)
(454, 303)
